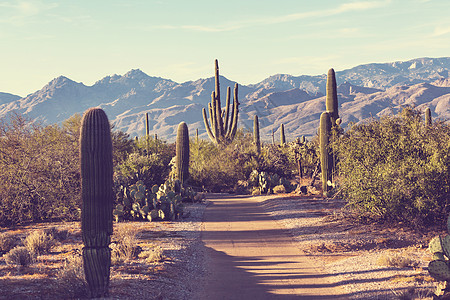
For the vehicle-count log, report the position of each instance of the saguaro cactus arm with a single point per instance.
(227, 108)
(208, 129)
(235, 114)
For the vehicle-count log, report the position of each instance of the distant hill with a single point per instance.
(297, 101)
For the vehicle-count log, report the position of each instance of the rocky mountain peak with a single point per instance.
(136, 74)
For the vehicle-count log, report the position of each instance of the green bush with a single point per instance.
(39, 174)
(39, 169)
(396, 169)
(149, 162)
(219, 167)
(226, 167)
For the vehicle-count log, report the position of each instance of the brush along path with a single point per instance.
(251, 256)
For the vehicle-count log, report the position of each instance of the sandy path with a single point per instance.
(250, 256)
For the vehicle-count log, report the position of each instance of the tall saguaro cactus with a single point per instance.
(223, 124)
(282, 136)
(147, 126)
(326, 160)
(332, 99)
(182, 152)
(427, 116)
(256, 138)
(97, 199)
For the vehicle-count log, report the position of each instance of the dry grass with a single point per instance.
(7, 242)
(19, 256)
(59, 273)
(71, 277)
(124, 246)
(396, 260)
(256, 191)
(58, 234)
(154, 255)
(414, 294)
(279, 189)
(39, 242)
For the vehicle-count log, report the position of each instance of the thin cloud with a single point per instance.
(20, 11)
(441, 30)
(343, 8)
(28, 8)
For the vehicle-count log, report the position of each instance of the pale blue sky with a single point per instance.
(179, 39)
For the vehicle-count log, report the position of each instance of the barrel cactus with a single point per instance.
(182, 152)
(97, 199)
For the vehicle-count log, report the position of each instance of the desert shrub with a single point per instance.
(279, 189)
(71, 280)
(397, 261)
(124, 246)
(226, 167)
(19, 256)
(396, 169)
(39, 169)
(277, 160)
(58, 234)
(154, 255)
(39, 174)
(220, 167)
(7, 242)
(39, 242)
(149, 162)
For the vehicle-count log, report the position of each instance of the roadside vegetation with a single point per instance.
(396, 169)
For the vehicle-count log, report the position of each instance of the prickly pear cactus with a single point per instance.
(439, 267)
(439, 270)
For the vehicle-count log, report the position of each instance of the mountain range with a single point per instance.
(365, 91)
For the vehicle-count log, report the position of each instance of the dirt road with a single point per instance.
(250, 256)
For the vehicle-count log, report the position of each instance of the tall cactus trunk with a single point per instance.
(282, 136)
(332, 99)
(326, 160)
(182, 152)
(147, 126)
(97, 199)
(256, 138)
(427, 116)
(332, 108)
(147, 134)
